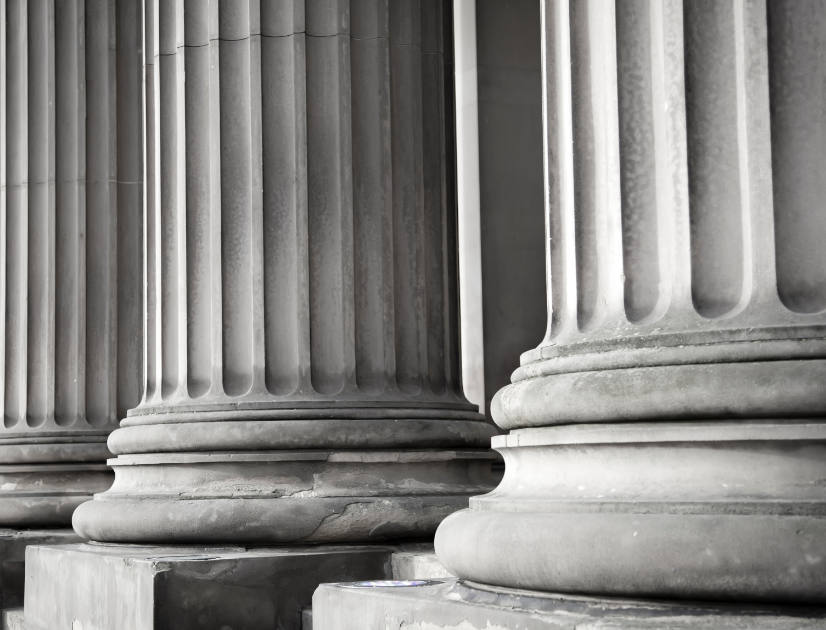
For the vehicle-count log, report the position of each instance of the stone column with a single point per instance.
(302, 349)
(667, 437)
(70, 239)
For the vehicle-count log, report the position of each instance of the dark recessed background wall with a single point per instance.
(510, 174)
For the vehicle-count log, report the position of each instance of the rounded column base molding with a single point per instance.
(693, 510)
(45, 495)
(696, 556)
(49, 449)
(746, 389)
(43, 478)
(246, 432)
(283, 496)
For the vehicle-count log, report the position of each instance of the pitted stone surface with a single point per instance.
(284, 496)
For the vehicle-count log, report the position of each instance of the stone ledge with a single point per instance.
(448, 604)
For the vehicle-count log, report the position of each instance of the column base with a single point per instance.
(279, 497)
(695, 510)
(133, 587)
(448, 604)
(44, 478)
(46, 495)
(13, 543)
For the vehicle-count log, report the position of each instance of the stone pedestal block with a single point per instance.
(13, 543)
(142, 588)
(132, 587)
(452, 605)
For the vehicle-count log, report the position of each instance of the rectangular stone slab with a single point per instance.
(130, 587)
(449, 605)
(13, 543)
(418, 563)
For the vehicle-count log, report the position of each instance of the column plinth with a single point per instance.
(70, 236)
(667, 436)
(303, 379)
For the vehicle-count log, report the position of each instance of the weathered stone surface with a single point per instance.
(284, 496)
(13, 543)
(130, 587)
(448, 605)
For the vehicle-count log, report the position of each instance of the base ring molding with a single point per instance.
(704, 510)
(283, 496)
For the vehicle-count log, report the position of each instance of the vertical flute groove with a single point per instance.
(3, 197)
(406, 70)
(17, 161)
(717, 243)
(372, 194)
(152, 350)
(41, 270)
(596, 163)
(558, 167)
(450, 243)
(284, 125)
(173, 196)
(129, 363)
(258, 354)
(237, 196)
(71, 224)
(638, 165)
(330, 196)
(203, 207)
(797, 43)
(101, 218)
(434, 165)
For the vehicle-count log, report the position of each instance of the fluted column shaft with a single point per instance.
(70, 236)
(301, 280)
(667, 435)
